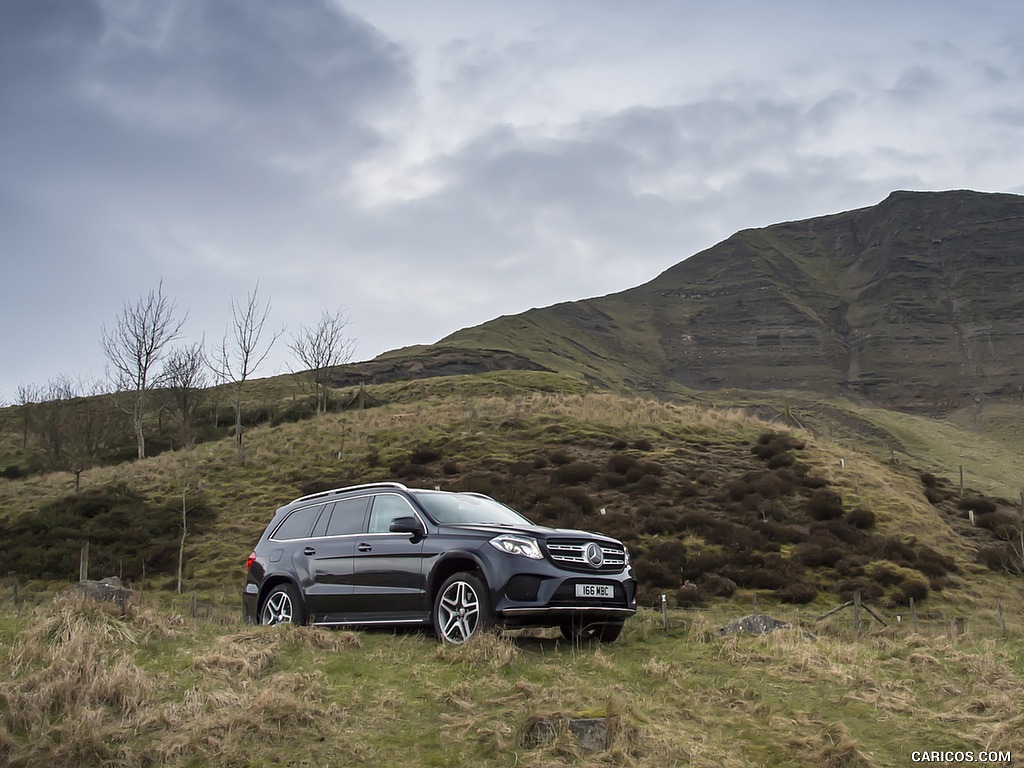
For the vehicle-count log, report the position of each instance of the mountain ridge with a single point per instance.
(909, 303)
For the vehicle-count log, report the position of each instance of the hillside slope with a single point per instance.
(911, 303)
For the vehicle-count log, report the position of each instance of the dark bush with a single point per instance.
(825, 505)
(483, 482)
(559, 458)
(861, 518)
(643, 469)
(671, 552)
(646, 484)
(705, 562)
(896, 551)
(1004, 525)
(850, 566)
(887, 576)
(716, 585)
(932, 564)
(814, 482)
(14, 472)
(928, 480)
(869, 590)
(815, 555)
(643, 444)
(779, 460)
(979, 504)
(686, 490)
(540, 462)
(578, 498)
(649, 571)
(612, 480)
(778, 532)
(912, 588)
(520, 468)
(687, 595)
(620, 445)
(574, 473)
(1000, 557)
(373, 459)
(409, 471)
(424, 455)
(933, 496)
(840, 530)
(737, 489)
(798, 593)
(620, 463)
(450, 468)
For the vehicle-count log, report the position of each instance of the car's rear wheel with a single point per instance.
(461, 608)
(282, 606)
(579, 631)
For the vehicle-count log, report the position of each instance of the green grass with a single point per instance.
(155, 688)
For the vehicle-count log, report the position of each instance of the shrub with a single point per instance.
(686, 490)
(620, 445)
(578, 498)
(784, 459)
(573, 473)
(649, 571)
(896, 551)
(1000, 557)
(14, 472)
(705, 562)
(450, 468)
(798, 593)
(886, 576)
(840, 530)
(540, 462)
(814, 482)
(716, 585)
(620, 464)
(424, 455)
(520, 468)
(778, 532)
(687, 595)
(1004, 525)
(916, 588)
(825, 505)
(980, 505)
(643, 444)
(932, 564)
(861, 518)
(933, 496)
(815, 555)
(612, 480)
(671, 552)
(928, 480)
(646, 484)
(559, 458)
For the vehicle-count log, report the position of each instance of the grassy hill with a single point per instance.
(724, 490)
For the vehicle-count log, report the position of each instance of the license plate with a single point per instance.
(594, 590)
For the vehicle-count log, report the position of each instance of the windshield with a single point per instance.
(468, 508)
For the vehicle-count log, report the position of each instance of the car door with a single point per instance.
(389, 580)
(329, 553)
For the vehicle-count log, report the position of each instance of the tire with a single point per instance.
(462, 608)
(578, 632)
(282, 606)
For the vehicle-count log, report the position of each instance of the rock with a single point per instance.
(590, 733)
(753, 625)
(109, 588)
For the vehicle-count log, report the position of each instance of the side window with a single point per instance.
(348, 516)
(386, 507)
(298, 524)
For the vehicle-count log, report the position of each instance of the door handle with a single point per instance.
(364, 548)
(309, 551)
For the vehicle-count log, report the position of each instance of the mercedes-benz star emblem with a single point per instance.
(594, 555)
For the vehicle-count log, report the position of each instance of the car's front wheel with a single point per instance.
(282, 606)
(580, 632)
(461, 608)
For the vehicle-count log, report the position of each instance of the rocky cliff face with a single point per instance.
(915, 303)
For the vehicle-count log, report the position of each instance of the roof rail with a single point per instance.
(347, 488)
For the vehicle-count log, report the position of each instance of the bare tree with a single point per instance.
(319, 349)
(29, 395)
(134, 347)
(185, 377)
(235, 361)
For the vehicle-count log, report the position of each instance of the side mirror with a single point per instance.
(411, 525)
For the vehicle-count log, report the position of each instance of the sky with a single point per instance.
(430, 166)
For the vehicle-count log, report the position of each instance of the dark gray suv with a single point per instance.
(460, 562)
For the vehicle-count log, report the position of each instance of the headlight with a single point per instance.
(518, 545)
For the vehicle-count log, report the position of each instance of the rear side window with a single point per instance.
(299, 523)
(348, 516)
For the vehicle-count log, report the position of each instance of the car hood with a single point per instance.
(536, 531)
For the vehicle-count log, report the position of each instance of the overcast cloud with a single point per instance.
(430, 166)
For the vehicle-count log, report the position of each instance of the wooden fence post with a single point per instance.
(1002, 618)
(195, 605)
(83, 562)
(958, 626)
(913, 615)
(857, 621)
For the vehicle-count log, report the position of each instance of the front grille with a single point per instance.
(571, 555)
